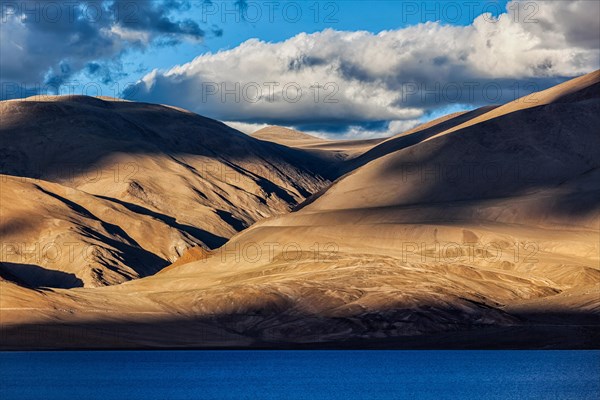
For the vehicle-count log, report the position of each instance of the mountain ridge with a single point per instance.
(433, 244)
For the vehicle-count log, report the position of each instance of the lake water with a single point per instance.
(312, 375)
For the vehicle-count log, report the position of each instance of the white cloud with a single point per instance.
(43, 44)
(397, 75)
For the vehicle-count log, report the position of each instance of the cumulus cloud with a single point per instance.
(48, 42)
(363, 83)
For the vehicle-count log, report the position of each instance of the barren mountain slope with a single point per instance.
(335, 151)
(196, 178)
(57, 236)
(286, 136)
(432, 245)
(466, 230)
(522, 151)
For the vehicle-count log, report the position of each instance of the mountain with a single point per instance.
(286, 136)
(482, 231)
(113, 190)
(336, 153)
(509, 151)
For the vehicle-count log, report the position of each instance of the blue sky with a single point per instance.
(275, 21)
(361, 68)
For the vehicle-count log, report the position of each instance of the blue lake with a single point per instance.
(311, 375)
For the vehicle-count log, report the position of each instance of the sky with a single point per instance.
(338, 69)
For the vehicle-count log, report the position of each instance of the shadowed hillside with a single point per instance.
(112, 190)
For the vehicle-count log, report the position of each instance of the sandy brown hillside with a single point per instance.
(513, 150)
(134, 184)
(58, 236)
(472, 228)
(483, 236)
(286, 136)
(575, 90)
(332, 150)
